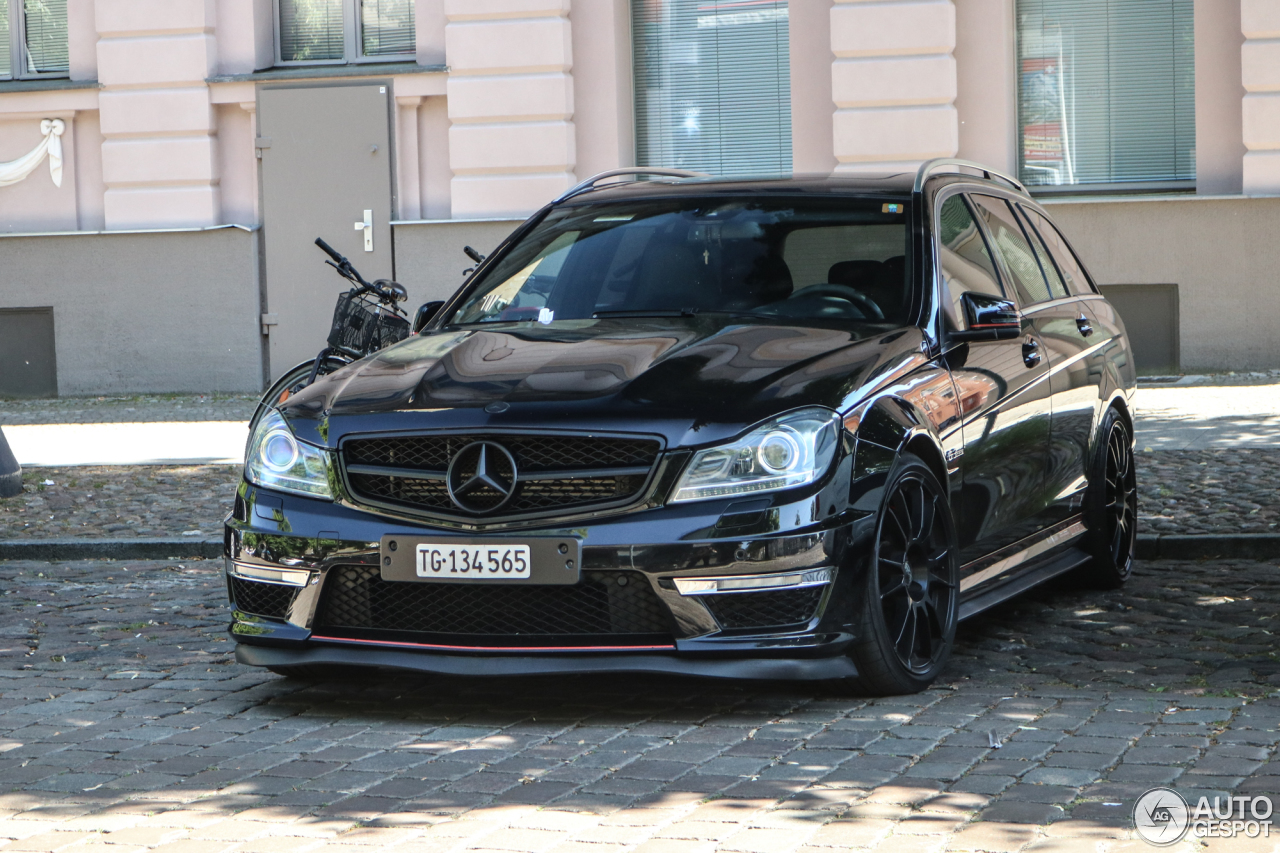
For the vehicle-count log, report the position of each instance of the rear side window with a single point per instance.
(1012, 245)
(963, 258)
(1056, 286)
(1072, 273)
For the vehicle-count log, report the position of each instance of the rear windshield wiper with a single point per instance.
(645, 312)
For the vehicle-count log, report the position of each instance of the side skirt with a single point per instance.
(1020, 583)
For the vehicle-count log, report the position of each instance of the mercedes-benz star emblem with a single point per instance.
(482, 477)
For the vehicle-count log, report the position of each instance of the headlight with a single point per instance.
(277, 460)
(785, 452)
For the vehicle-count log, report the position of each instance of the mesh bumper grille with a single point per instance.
(357, 601)
(576, 459)
(764, 609)
(262, 599)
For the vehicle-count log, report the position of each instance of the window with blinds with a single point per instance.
(713, 85)
(33, 38)
(45, 36)
(1106, 93)
(337, 31)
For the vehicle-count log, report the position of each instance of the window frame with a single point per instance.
(17, 48)
(1099, 188)
(1006, 271)
(941, 297)
(352, 40)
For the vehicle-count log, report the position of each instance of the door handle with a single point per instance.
(1082, 323)
(1031, 352)
(367, 228)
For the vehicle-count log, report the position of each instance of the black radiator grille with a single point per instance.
(262, 599)
(575, 458)
(764, 609)
(604, 604)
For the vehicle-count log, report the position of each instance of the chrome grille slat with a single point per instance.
(553, 472)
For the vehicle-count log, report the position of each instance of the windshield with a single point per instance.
(823, 258)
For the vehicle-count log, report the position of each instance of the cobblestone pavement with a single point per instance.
(125, 727)
(94, 502)
(1188, 491)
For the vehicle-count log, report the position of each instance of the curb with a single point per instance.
(1151, 546)
(1208, 546)
(109, 549)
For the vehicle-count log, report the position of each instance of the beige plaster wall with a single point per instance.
(158, 157)
(1222, 254)
(87, 162)
(986, 83)
(144, 313)
(512, 142)
(35, 204)
(433, 158)
(603, 119)
(812, 109)
(893, 83)
(1220, 147)
(82, 40)
(1260, 74)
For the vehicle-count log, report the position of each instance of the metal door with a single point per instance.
(326, 160)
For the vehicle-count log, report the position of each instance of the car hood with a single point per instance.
(692, 380)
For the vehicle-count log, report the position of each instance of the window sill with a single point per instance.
(320, 72)
(46, 84)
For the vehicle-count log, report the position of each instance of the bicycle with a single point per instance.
(362, 325)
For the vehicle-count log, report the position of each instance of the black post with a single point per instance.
(10, 470)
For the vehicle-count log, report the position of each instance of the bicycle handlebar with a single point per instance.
(329, 250)
(347, 271)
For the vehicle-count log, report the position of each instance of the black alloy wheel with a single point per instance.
(1111, 504)
(910, 595)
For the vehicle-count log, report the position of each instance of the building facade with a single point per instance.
(166, 164)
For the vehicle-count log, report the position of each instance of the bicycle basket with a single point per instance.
(361, 327)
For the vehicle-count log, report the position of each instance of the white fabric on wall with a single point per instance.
(17, 170)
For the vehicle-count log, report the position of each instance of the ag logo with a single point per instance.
(1161, 816)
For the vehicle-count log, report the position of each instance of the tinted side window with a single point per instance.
(963, 258)
(1072, 273)
(1011, 244)
(1056, 286)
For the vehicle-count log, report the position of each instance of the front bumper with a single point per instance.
(284, 555)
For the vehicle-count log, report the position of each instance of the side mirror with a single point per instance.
(990, 318)
(424, 315)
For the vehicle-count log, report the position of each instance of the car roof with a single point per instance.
(892, 184)
(895, 184)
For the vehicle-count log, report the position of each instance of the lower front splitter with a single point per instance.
(782, 669)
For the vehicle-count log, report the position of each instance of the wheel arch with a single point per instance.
(893, 423)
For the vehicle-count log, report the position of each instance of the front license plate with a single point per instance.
(448, 559)
(503, 562)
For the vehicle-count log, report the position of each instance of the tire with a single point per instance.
(1111, 505)
(909, 596)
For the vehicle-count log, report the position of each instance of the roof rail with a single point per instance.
(590, 183)
(941, 164)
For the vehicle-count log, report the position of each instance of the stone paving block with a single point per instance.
(991, 837)
(1061, 776)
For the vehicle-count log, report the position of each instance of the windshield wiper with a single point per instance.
(645, 312)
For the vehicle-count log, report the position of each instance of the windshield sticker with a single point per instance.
(545, 315)
(890, 208)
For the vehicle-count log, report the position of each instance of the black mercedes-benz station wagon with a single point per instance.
(792, 428)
